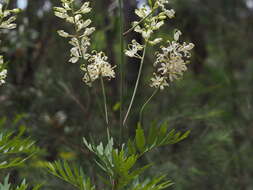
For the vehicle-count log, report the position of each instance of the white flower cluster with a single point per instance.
(3, 72)
(97, 64)
(81, 40)
(7, 17)
(171, 63)
(150, 24)
(99, 67)
(168, 12)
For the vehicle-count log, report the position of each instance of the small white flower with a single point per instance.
(146, 34)
(66, 6)
(177, 34)
(63, 34)
(60, 9)
(137, 29)
(85, 8)
(161, 3)
(170, 13)
(142, 12)
(158, 82)
(61, 15)
(155, 41)
(133, 49)
(74, 59)
(1, 61)
(3, 75)
(7, 24)
(74, 42)
(88, 31)
(75, 52)
(70, 19)
(77, 17)
(83, 24)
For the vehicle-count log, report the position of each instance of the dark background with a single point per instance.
(214, 99)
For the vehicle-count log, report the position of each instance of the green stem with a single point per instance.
(134, 26)
(147, 101)
(121, 66)
(105, 101)
(136, 84)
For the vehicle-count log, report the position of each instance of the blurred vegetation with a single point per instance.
(214, 100)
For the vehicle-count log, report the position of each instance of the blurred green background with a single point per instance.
(46, 94)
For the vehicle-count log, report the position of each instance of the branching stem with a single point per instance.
(146, 102)
(136, 84)
(134, 26)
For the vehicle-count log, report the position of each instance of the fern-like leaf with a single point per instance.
(70, 174)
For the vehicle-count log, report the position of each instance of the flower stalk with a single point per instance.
(105, 101)
(136, 84)
(147, 102)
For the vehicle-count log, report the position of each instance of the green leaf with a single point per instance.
(154, 184)
(72, 175)
(117, 106)
(152, 135)
(15, 149)
(185, 135)
(131, 147)
(150, 2)
(140, 139)
(22, 186)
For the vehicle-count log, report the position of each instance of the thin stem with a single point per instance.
(136, 84)
(105, 101)
(121, 65)
(147, 101)
(134, 26)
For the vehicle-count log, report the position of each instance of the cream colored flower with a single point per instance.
(158, 82)
(81, 40)
(3, 72)
(7, 19)
(172, 62)
(98, 67)
(133, 49)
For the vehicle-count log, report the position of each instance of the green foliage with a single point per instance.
(70, 174)
(120, 164)
(116, 163)
(214, 100)
(154, 184)
(23, 186)
(15, 149)
(156, 137)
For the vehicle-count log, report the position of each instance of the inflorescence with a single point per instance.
(95, 64)
(171, 63)
(7, 18)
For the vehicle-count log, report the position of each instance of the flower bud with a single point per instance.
(63, 34)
